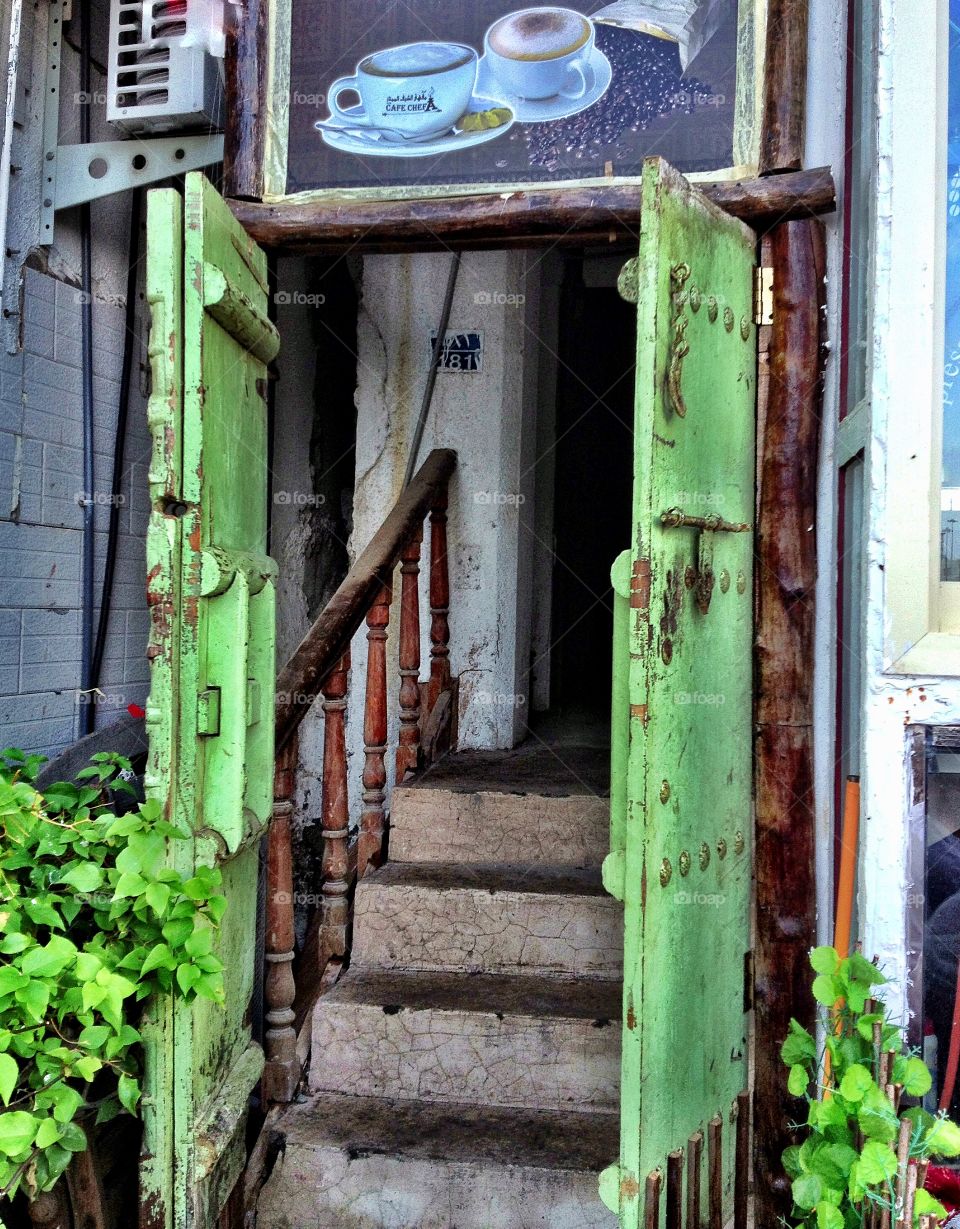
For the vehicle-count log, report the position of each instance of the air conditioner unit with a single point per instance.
(165, 70)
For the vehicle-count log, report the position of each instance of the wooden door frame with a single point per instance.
(783, 204)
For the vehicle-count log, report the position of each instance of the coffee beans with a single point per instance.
(647, 82)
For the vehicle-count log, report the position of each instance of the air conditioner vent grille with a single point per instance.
(162, 75)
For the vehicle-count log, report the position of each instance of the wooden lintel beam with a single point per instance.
(573, 215)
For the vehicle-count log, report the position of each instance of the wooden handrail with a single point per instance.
(300, 681)
(320, 668)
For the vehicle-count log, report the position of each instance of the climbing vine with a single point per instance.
(93, 921)
(865, 1152)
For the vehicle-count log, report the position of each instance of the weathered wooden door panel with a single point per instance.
(682, 765)
(212, 650)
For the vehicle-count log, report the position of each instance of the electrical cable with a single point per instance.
(434, 366)
(86, 332)
(120, 437)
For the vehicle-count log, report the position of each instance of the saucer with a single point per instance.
(542, 110)
(377, 146)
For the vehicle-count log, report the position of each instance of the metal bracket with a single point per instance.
(88, 172)
(763, 295)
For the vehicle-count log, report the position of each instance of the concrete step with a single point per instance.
(539, 1042)
(488, 919)
(432, 823)
(361, 1163)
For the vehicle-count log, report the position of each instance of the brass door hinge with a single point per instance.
(763, 295)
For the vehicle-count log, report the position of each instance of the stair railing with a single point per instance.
(319, 670)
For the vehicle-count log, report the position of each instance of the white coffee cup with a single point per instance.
(542, 53)
(417, 90)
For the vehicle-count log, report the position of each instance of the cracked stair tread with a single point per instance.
(587, 998)
(421, 1130)
(488, 877)
(540, 771)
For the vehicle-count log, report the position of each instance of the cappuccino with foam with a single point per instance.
(539, 34)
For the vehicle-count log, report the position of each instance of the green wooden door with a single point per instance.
(682, 763)
(210, 714)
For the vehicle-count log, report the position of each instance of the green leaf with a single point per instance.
(85, 877)
(943, 1138)
(828, 1216)
(826, 990)
(160, 957)
(17, 1132)
(825, 960)
(48, 1133)
(178, 930)
(791, 1161)
(856, 1080)
(799, 1046)
(129, 885)
(877, 1163)
(12, 945)
(798, 1081)
(858, 968)
(876, 1116)
(924, 1204)
(158, 897)
(916, 1078)
(807, 1190)
(9, 1074)
(49, 960)
(128, 1090)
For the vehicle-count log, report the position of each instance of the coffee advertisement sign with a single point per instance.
(424, 93)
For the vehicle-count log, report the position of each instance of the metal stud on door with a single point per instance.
(682, 760)
(210, 716)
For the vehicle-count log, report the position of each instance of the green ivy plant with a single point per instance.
(848, 1160)
(93, 921)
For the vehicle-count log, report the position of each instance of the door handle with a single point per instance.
(676, 518)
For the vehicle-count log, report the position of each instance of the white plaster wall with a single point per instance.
(905, 391)
(490, 420)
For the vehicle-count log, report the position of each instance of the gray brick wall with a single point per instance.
(41, 479)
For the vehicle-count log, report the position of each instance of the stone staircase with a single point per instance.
(465, 1070)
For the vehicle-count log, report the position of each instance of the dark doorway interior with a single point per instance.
(594, 477)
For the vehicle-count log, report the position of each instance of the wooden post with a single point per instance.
(281, 1073)
(651, 1201)
(245, 69)
(439, 602)
(786, 589)
(694, 1162)
(675, 1190)
(715, 1173)
(335, 815)
(741, 1173)
(408, 743)
(373, 822)
(785, 94)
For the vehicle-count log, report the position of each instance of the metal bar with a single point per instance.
(89, 172)
(651, 1203)
(741, 1176)
(715, 1167)
(676, 518)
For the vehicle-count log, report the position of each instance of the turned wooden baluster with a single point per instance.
(335, 814)
(282, 1071)
(439, 603)
(373, 822)
(408, 743)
